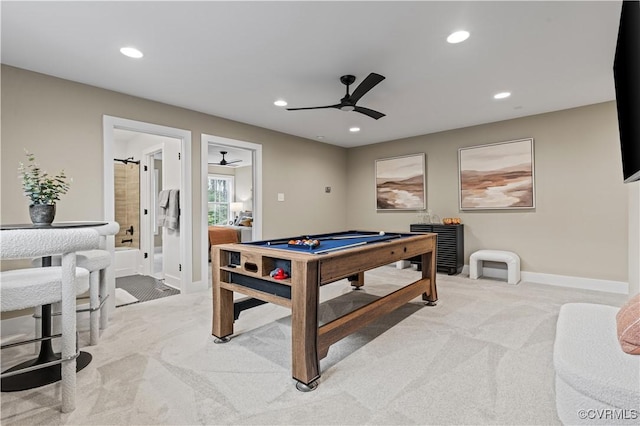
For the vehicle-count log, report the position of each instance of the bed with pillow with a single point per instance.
(223, 234)
(240, 231)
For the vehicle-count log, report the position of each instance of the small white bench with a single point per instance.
(510, 258)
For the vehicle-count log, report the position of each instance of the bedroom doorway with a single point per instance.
(244, 168)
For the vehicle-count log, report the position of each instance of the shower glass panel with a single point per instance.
(127, 203)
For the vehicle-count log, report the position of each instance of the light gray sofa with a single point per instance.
(596, 382)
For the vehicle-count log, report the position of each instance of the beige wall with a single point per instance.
(61, 122)
(244, 186)
(579, 226)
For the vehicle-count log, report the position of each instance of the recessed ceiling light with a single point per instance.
(354, 129)
(131, 52)
(280, 102)
(320, 137)
(501, 95)
(458, 37)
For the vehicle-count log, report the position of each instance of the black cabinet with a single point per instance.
(450, 246)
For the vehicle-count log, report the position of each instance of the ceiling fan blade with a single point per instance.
(225, 163)
(371, 113)
(320, 107)
(368, 83)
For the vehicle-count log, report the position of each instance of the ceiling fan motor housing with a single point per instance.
(348, 79)
(349, 101)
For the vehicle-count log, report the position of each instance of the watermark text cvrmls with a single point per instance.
(609, 414)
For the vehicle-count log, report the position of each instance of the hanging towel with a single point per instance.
(172, 220)
(163, 203)
(169, 209)
(163, 198)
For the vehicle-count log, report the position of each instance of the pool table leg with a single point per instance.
(222, 315)
(428, 271)
(356, 280)
(222, 326)
(304, 324)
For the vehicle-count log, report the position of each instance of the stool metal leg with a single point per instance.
(104, 295)
(94, 303)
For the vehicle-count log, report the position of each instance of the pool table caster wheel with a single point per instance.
(221, 340)
(307, 388)
(428, 303)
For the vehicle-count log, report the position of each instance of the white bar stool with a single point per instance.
(96, 262)
(25, 288)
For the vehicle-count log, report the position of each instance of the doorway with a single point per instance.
(143, 241)
(250, 195)
(181, 152)
(153, 180)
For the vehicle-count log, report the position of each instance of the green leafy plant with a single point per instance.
(38, 186)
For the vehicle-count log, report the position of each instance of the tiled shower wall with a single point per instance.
(127, 203)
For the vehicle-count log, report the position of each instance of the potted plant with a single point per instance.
(42, 190)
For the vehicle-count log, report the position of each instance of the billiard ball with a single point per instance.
(381, 232)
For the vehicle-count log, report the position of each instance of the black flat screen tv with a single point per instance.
(626, 75)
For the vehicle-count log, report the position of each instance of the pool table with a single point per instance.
(248, 268)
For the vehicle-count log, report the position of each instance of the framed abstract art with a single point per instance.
(497, 176)
(400, 183)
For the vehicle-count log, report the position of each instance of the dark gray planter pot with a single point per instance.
(42, 214)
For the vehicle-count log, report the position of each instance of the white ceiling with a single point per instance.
(234, 59)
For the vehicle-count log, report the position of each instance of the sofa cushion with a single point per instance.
(628, 324)
(587, 355)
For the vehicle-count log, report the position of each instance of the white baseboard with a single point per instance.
(608, 286)
(172, 281)
(125, 272)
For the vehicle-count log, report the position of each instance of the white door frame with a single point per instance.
(150, 218)
(256, 162)
(110, 123)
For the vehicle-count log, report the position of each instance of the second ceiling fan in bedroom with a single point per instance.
(224, 162)
(348, 102)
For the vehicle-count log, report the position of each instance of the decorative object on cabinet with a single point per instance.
(451, 221)
(450, 246)
(424, 216)
(497, 176)
(400, 183)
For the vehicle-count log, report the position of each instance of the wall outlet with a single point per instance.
(280, 196)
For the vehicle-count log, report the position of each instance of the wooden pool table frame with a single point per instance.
(300, 292)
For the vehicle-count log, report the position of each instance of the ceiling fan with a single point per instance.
(348, 103)
(224, 162)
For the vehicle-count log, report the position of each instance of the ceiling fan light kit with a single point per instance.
(349, 101)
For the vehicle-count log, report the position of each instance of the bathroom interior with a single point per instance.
(127, 202)
(128, 193)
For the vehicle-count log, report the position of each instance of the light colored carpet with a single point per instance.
(483, 355)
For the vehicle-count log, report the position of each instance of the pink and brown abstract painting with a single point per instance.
(497, 176)
(400, 183)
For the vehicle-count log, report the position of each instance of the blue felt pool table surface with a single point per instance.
(330, 242)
